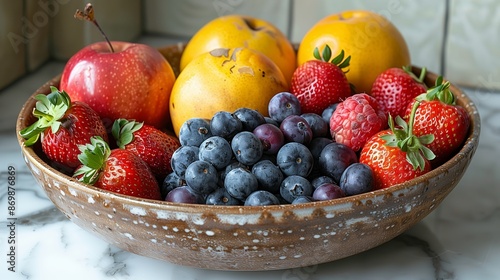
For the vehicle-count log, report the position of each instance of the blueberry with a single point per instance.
(356, 179)
(335, 158)
(302, 199)
(282, 105)
(271, 137)
(296, 129)
(328, 112)
(268, 175)
(249, 118)
(194, 131)
(261, 198)
(281, 199)
(316, 146)
(271, 121)
(318, 181)
(295, 159)
(319, 127)
(171, 181)
(184, 194)
(295, 186)
(221, 197)
(225, 124)
(182, 158)
(202, 177)
(246, 147)
(234, 164)
(217, 151)
(240, 183)
(315, 172)
(271, 158)
(327, 191)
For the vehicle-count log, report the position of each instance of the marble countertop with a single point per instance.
(459, 240)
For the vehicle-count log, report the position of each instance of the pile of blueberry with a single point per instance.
(244, 158)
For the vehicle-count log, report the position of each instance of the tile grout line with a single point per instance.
(289, 29)
(444, 43)
(26, 45)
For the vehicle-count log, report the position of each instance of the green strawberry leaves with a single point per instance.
(404, 139)
(123, 131)
(93, 157)
(325, 56)
(49, 109)
(340, 60)
(440, 91)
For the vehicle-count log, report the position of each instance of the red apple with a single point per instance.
(133, 82)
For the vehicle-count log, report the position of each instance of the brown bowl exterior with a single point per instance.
(249, 238)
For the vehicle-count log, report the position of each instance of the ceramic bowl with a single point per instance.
(249, 238)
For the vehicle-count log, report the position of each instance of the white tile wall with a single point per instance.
(469, 54)
(12, 42)
(120, 19)
(67, 33)
(38, 48)
(34, 31)
(184, 17)
(473, 46)
(470, 45)
(421, 23)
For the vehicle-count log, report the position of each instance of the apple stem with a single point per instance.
(88, 15)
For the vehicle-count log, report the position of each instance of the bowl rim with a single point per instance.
(31, 156)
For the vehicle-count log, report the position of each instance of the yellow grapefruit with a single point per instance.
(372, 41)
(233, 31)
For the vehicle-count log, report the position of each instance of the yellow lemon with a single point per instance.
(372, 41)
(224, 80)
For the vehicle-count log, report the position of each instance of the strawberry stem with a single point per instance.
(404, 139)
(420, 78)
(88, 15)
(412, 118)
(423, 73)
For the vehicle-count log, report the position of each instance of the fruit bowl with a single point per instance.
(249, 238)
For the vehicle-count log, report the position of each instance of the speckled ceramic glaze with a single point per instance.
(249, 238)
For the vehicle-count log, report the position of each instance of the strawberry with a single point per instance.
(396, 155)
(356, 119)
(321, 82)
(395, 88)
(439, 115)
(151, 144)
(117, 170)
(63, 125)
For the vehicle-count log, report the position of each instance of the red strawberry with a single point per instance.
(356, 119)
(116, 170)
(395, 88)
(63, 126)
(151, 144)
(439, 115)
(320, 83)
(396, 155)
